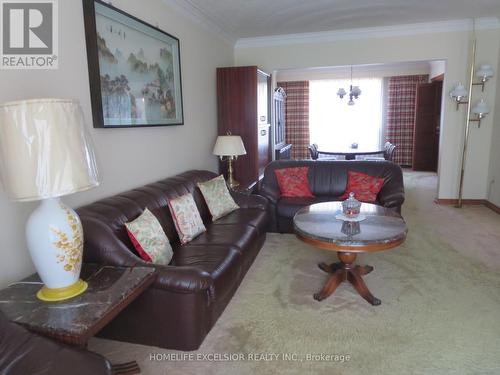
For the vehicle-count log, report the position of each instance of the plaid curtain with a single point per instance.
(402, 91)
(297, 117)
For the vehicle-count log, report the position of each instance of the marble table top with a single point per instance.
(109, 288)
(381, 226)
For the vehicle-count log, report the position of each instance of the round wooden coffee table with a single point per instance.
(382, 229)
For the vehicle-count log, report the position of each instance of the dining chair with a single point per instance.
(389, 150)
(313, 151)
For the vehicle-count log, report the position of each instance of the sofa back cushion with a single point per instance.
(110, 214)
(328, 178)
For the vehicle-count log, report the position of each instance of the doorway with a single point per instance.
(427, 125)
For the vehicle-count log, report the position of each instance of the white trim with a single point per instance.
(186, 8)
(370, 32)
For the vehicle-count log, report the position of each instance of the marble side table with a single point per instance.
(382, 229)
(76, 320)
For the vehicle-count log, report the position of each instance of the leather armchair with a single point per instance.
(26, 353)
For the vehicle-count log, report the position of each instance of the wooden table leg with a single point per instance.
(333, 282)
(363, 270)
(345, 270)
(330, 268)
(360, 286)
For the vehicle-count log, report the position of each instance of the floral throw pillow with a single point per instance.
(364, 187)
(186, 217)
(149, 239)
(217, 196)
(293, 182)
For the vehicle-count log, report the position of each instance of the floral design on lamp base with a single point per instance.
(55, 238)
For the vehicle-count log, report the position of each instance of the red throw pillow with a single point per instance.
(364, 187)
(293, 182)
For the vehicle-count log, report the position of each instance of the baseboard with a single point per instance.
(476, 202)
(450, 202)
(492, 207)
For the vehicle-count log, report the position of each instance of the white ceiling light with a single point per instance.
(354, 92)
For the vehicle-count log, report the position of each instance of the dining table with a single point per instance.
(351, 153)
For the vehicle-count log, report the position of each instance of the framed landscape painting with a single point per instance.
(134, 70)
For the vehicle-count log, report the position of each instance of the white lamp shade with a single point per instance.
(45, 151)
(341, 92)
(481, 108)
(485, 71)
(229, 145)
(356, 91)
(459, 91)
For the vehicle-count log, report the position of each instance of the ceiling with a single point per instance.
(252, 18)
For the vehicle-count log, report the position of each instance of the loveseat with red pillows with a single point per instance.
(292, 184)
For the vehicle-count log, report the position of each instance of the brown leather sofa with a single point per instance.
(192, 291)
(26, 353)
(328, 181)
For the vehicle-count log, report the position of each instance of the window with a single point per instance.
(334, 125)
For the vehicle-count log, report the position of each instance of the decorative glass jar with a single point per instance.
(351, 228)
(351, 206)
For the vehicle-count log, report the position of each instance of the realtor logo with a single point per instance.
(28, 34)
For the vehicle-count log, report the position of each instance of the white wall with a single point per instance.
(453, 47)
(127, 157)
(437, 67)
(359, 71)
(494, 177)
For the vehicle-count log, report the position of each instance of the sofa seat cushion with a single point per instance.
(222, 263)
(288, 207)
(254, 217)
(239, 236)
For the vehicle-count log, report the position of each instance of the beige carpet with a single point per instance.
(440, 311)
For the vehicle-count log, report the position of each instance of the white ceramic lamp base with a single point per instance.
(55, 241)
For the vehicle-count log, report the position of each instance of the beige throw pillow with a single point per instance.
(149, 239)
(217, 196)
(186, 217)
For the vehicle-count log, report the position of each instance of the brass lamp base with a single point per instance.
(61, 294)
(231, 180)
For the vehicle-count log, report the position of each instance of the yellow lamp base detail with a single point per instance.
(60, 294)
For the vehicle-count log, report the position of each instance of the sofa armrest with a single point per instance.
(102, 246)
(392, 194)
(250, 200)
(182, 279)
(392, 199)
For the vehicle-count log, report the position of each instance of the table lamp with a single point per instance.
(230, 146)
(46, 153)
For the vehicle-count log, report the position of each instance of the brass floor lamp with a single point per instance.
(480, 109)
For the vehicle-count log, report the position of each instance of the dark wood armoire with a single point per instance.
(244, 109)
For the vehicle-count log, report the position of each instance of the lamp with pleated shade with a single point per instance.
(46, 153)
(229, 146)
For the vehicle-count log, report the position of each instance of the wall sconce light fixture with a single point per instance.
(459, 94)
(484, 73)
(481, 109)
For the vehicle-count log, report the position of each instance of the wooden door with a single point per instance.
(427, 126)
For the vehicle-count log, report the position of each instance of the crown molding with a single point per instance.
(485, 23)
(186, 8)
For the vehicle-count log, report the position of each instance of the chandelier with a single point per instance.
(354, 92)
